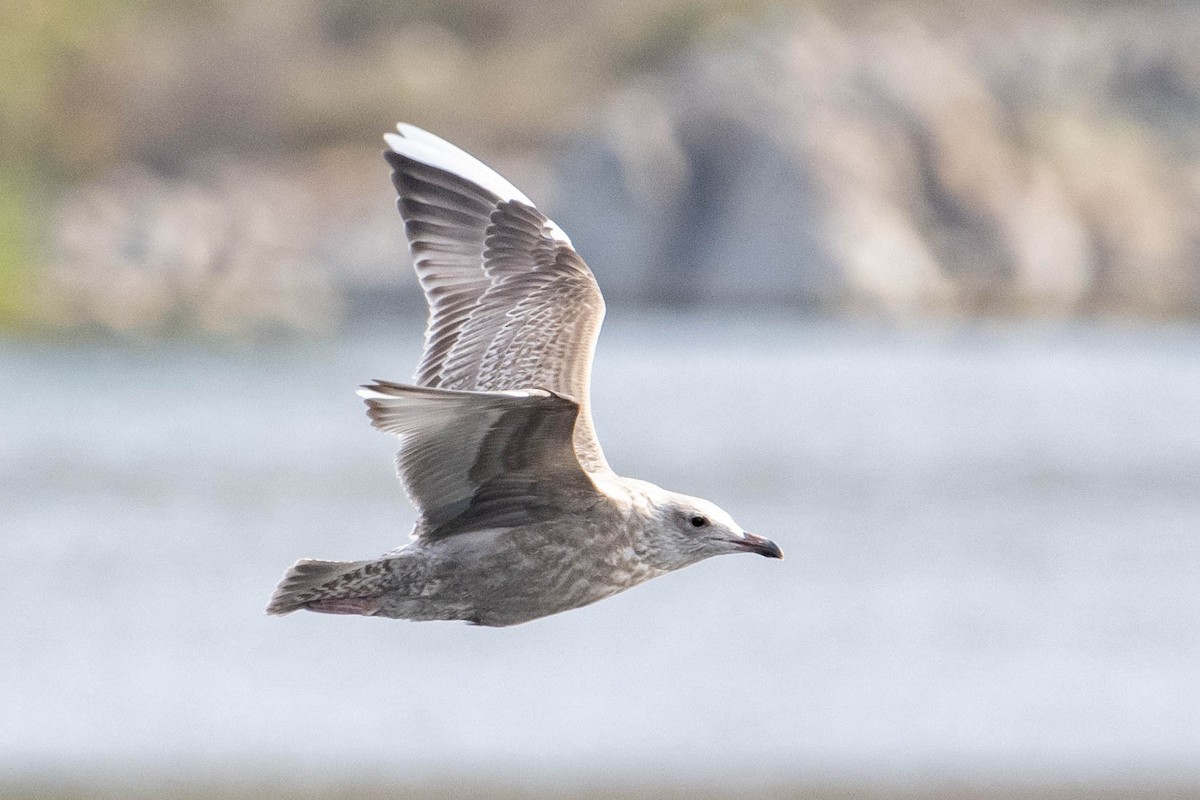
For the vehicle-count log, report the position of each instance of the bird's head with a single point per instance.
(691, 529)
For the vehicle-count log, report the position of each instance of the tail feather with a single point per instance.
(314, 584)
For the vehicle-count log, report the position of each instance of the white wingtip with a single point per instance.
(421, 145)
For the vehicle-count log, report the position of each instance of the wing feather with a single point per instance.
(512, 305)
(475, 460)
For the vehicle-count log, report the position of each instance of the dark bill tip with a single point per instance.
(757, 544)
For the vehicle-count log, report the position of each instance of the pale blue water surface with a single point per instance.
(992, 539)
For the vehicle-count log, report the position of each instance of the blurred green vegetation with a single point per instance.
(51, 130)
(14, 253)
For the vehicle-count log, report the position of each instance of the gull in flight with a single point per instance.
(520, 514)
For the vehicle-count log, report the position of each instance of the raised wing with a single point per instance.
(511, 304)
(476, 460)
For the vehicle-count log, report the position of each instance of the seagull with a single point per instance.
(520, 515)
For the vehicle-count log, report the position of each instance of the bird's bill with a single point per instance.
(757, 544)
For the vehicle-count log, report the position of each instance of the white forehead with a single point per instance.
(698, 505)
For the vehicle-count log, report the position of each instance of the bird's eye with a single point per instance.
(698, 521)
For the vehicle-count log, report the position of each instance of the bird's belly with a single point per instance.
(535, 578)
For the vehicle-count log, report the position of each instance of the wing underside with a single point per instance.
(473, 460)
(512, 305)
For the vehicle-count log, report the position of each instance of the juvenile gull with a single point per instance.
(520, 514)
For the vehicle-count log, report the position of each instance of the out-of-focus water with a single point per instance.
(992, 538)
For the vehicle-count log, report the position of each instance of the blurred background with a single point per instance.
(911, 288)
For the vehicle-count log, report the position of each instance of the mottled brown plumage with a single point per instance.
(520, 514)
